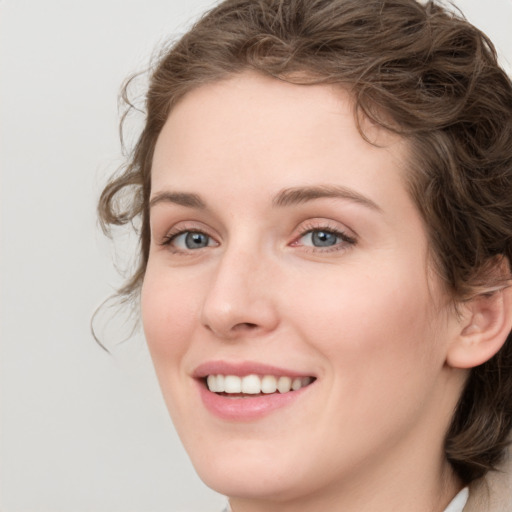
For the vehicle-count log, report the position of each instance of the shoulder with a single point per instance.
(493, 493)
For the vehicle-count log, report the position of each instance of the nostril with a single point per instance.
(247, 326)
(239, 329)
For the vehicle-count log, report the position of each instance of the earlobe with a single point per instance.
(487, 322)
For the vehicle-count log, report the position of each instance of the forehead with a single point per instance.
(270, 127)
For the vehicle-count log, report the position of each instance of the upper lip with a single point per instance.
(243, 368)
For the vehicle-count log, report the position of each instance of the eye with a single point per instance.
(320, 238)
(189, 240)
(325, 238)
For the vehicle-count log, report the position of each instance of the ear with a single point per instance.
(486, 322)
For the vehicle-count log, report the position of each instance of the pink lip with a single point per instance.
(245, 409)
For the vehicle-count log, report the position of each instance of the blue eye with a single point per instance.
(325, 238)
(320, 238)
(190, 240)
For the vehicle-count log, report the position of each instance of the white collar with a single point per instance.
(459, 502)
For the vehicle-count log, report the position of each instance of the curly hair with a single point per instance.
(419, 70)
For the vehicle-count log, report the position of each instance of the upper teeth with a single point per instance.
(254, 384)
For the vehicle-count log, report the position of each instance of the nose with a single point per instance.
(241, 298)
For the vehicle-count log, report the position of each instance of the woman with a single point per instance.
(325, 189)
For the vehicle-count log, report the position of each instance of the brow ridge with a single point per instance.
(187, 199)
(298, 195)
(286, 197)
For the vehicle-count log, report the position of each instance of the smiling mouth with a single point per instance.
(233, 386)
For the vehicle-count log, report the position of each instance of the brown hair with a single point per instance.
(418, 70)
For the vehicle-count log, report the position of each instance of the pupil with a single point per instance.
(323, 238)
(196, 240)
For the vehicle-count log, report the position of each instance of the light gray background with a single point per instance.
(83, 431)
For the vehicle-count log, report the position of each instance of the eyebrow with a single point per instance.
(286, 197)
(298, 195)
(181, 198)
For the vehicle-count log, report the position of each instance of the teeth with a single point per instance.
(268, 384)
(251, 384)
(284, 384)
(232, 384)
(254, 385)
(211, 381)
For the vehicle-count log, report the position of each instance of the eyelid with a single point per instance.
(324, 223)
(186, 227)
(173, 236)
(348, 239)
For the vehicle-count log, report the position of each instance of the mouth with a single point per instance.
(253, 385)
(248, 391)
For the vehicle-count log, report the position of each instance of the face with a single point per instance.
(287, 252)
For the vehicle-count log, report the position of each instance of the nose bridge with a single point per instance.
(239, 298)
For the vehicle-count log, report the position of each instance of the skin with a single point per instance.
(366, 316)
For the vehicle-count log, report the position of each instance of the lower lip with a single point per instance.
(246, 409)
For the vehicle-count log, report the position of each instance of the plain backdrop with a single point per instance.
(81, 430)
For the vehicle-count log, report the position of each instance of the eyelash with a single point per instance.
(344, 243)
(173, 235)
(345, 240)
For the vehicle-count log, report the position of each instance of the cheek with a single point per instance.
(373, 329)
(166, 314)
(381, 356)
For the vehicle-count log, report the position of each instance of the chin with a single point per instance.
(252, 479)
(270, 469)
